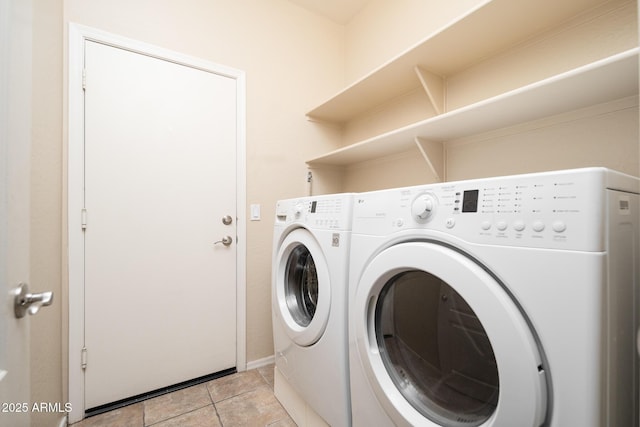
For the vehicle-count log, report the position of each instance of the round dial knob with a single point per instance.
(423, 206)
(298, 209)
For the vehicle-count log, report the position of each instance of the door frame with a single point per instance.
(78, 35)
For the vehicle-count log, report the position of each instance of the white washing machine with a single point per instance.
(499, 302)
(309, 301)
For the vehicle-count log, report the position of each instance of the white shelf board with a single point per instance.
(602, 81)
(492, 26)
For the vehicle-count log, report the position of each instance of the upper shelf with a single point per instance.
(602, 81)
(502, 23)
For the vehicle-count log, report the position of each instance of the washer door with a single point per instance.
(443, 344)
(302, 288)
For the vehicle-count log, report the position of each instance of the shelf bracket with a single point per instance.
(434, 85)
(433, 153)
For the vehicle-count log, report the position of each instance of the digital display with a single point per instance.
(313, 206)
(470, 201)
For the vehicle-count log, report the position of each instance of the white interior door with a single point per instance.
(15, 143)
(160, 171)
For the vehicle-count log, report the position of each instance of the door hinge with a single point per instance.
(84, 79)
(83, 218)
(83, 358)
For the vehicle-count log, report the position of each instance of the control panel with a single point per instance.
(332, 212)
(560, 210)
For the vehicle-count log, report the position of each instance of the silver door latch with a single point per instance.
(27, 302)
(226, 240)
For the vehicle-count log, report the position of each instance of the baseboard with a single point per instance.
(261, 362)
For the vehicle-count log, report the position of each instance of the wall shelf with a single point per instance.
(605, 80)
(491, 27)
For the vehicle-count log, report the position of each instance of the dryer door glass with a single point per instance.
(301, 287)
(435, 350)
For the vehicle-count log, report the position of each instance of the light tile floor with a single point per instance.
(244, 399)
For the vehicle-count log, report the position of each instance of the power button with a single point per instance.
(559, 226)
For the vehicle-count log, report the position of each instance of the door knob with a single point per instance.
(25, 302)
(227, 220)
(226, 240)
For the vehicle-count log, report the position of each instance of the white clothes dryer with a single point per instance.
(309, 301)
(499, 302)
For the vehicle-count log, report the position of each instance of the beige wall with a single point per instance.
(47, 360)
(605, 135)
(588, 37)
(384, 29)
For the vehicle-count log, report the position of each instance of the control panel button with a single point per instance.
(519, 225)
(501, 225)
(485, 225)
(423, 206)
(559, 226)
(538, 226)
(451, 222)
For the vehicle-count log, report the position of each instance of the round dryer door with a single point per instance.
(302, 291)
(443, 343)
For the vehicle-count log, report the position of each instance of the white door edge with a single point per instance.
(78, 35)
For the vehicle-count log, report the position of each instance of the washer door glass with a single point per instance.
(301, 287)
(435, 350)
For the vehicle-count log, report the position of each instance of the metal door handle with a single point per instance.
(227, 220)
(25, 302)
(226, 240)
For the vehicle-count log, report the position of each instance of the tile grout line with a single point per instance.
(182, 414)
(265, 384)
(215, 408)
(144, 412)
